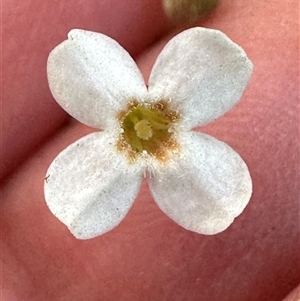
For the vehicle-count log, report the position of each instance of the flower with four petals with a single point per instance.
(198, 181)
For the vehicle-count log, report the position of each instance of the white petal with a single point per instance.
(89, 187)
(92, 77)
(205, 188)
(202, 72)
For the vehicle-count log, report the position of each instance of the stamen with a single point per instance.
(143, 129)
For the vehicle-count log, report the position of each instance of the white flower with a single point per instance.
(198, 181)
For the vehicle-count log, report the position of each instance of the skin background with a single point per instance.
(148, 257)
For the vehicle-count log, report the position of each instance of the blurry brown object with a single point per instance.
(188, 11)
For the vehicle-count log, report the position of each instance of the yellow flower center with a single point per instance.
(147, 128)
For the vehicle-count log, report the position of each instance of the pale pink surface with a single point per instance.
(149, 257)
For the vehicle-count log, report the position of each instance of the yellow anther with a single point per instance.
(143, 129)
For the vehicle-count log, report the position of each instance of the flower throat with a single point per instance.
(147, 128)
